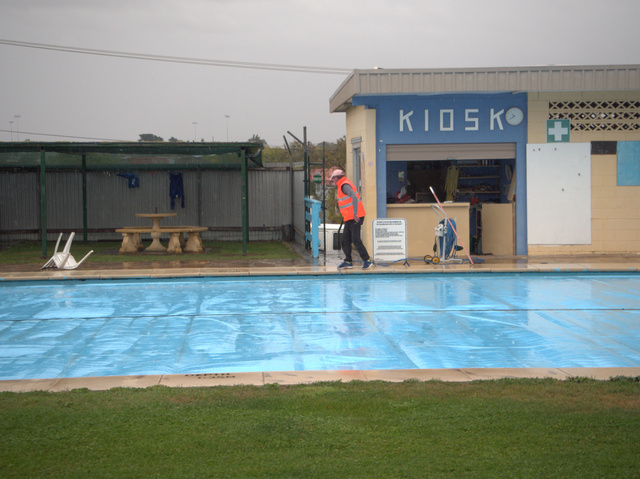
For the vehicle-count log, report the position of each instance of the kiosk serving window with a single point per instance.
(471, 173)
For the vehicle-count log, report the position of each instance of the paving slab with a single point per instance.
(104, 383)
(602, 373)
(26, 385)
(503, 373)
(400, 375)
(308, 377)
(211, 380)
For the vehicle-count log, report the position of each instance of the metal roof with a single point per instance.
(468, 80)
(132, 155)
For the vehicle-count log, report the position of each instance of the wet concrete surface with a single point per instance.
(617, 262)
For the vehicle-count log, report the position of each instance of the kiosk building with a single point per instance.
(531, 160)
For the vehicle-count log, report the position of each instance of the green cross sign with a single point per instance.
(558, 131)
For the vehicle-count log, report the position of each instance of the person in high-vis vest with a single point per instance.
(353, 213)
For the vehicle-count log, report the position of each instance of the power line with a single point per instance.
(65, 136)
(172, 59)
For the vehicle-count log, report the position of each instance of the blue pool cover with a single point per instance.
(52, 329)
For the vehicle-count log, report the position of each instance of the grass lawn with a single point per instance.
(507, 428)
(107, 252)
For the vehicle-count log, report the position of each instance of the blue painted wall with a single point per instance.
(628, 164)
(450, 119)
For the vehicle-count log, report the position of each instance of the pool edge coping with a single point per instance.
(285, 378)
(168, 273)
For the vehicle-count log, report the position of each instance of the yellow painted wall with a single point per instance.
(615, 210)
(361, 123)
(498, 229)
(422, 220)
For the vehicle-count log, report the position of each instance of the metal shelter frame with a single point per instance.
(223, 156)
(307, 190)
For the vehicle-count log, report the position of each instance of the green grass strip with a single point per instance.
(107, 252)
(504, 428)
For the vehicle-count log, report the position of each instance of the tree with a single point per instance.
(275, 155)
(256, 138)
(334, 153)
(150, 137)
(335, 156)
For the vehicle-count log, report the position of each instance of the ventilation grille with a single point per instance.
(609, 115)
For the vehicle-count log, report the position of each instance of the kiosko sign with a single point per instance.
(445, 119)
(455, 118)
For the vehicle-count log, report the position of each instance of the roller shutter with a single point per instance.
(438, 152)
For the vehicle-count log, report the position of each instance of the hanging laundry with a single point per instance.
(134, 181)
(176, 189)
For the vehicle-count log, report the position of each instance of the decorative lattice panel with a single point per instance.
(610, 115)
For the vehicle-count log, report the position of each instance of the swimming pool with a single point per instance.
(52, 329)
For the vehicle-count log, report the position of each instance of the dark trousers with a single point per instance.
(351, 234)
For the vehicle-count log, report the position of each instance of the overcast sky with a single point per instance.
(85, 97)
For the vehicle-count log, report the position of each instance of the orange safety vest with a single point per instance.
(344, 201)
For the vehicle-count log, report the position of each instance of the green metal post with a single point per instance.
(307, 167)
(43, 202)
(245, 201)
(324, 201)
(84, 198)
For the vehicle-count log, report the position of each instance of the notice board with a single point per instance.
(389, 240)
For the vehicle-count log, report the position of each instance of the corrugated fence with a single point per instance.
(212, 198)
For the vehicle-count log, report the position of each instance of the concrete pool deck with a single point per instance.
(169, 269)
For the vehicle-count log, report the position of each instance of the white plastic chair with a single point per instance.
(64, 260)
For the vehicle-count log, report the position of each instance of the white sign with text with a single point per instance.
(389, 240)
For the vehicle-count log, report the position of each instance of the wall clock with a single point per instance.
(514, 116)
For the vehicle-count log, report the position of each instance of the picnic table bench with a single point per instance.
(132, 241)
